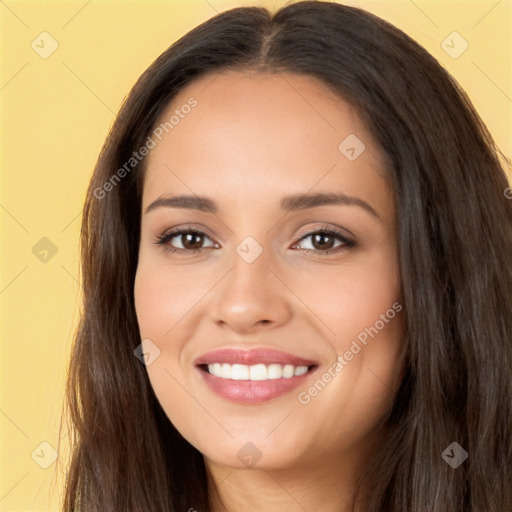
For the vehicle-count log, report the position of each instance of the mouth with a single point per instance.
(255, 376)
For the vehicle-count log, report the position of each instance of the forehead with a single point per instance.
(253, 135)
(257, 106)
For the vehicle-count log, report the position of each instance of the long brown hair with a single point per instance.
(454, 225)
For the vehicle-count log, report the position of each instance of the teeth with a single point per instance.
(301, 370)
(225, 371)
(239, 372)
(274, 371)
(255, 372)
(288, 371)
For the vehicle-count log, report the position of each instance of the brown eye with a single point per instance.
(322, 242)
(185, 240)
(325, 240)
(191, 240)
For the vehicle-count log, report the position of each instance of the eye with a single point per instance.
(188, 240)
(324, 240)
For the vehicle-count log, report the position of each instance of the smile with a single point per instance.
(255, 372)
(253, 376)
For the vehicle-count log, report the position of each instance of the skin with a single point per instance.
(271, 136)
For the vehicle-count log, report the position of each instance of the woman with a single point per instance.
(297, 280)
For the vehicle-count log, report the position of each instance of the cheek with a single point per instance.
(351, 300)
(370, 303)
(151, 295)
(363, 311)
(163, 298)
(162, 302)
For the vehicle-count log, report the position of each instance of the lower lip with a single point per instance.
(253, 391)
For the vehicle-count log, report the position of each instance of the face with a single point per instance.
(268, 290)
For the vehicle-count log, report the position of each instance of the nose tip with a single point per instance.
(250, 297)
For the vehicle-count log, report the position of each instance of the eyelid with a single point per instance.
(346, 242)
(324, 228)
(200, 229)
(169, 234)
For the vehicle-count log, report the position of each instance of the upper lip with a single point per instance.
(251, 357)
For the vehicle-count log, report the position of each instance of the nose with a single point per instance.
(251, 297)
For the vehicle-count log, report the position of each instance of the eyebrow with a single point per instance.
(288, 204)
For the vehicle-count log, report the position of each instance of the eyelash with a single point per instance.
(164, 240)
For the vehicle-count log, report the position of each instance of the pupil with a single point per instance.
(322, 243)
(189, 237)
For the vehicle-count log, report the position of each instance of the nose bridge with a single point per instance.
(250, 294)
(250, 269)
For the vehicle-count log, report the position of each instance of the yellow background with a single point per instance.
(55, 114)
